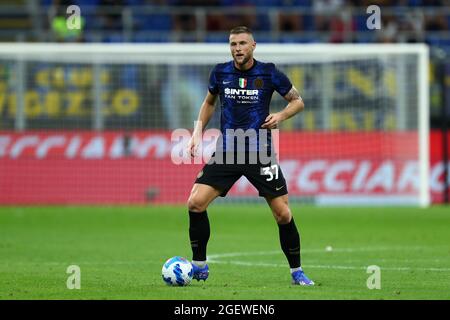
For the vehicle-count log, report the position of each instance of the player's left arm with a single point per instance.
(294, 106)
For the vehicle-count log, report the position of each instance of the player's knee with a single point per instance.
(282, 216)
(195, 204)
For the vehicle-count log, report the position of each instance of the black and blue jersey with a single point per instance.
(245, 98)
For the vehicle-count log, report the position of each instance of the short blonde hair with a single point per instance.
(241, 29)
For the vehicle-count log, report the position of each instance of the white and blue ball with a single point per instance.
(177, 271)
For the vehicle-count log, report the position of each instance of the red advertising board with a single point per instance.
(137, 167)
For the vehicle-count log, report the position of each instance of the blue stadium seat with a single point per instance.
(144, 37)
(308, 22)
(444, 42)
(217, 37)
(264, 37)
(269, 3)
(46, 3)
(367, 37)
(431, 41)
(361, 23)
(262, 23)
(436, 40)
(297, 3)
(297, 38)
(135, 2)
(187, 38)
(114, 37)
(235, 2)
(86, 3)
(81, 3)
(158, 22)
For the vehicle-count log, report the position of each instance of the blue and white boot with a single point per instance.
(300, 278)
(200, 273)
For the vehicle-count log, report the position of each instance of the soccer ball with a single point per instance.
(177, 271)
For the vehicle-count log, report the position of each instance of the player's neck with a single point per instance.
(248, 65)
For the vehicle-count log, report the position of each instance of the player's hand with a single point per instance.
(272, 121)
(192, 146)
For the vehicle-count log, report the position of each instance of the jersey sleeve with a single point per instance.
(212, 86)
(281, 82)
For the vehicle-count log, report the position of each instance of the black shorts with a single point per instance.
(266, 177)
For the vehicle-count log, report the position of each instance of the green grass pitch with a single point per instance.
(120, 252)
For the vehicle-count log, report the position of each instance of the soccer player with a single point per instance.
(245, 87)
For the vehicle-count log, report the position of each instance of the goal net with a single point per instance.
(94, 123)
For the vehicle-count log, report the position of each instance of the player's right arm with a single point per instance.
(204, 115)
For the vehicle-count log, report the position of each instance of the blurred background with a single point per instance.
(134, 98)
(280, 21)
(209, 21)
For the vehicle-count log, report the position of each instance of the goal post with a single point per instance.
(92, 123)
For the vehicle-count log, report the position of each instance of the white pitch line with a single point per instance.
(217, 258)
(338, 250)
(276, 265)
(238, 254)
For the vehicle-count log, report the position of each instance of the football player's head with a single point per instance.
(242, 45)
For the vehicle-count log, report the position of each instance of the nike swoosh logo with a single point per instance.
(279, 188)
(226, 82)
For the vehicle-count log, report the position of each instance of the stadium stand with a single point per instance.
(297, 21)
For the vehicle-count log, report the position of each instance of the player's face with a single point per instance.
(242, 46)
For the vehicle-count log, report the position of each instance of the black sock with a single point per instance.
(290, 243)
(199, 234)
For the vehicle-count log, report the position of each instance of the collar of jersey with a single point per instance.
(248, 70)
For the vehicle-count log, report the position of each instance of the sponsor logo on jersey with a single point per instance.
(241, 92)
(242, 95)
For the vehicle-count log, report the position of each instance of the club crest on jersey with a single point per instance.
(258, 83)
(242, 82)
